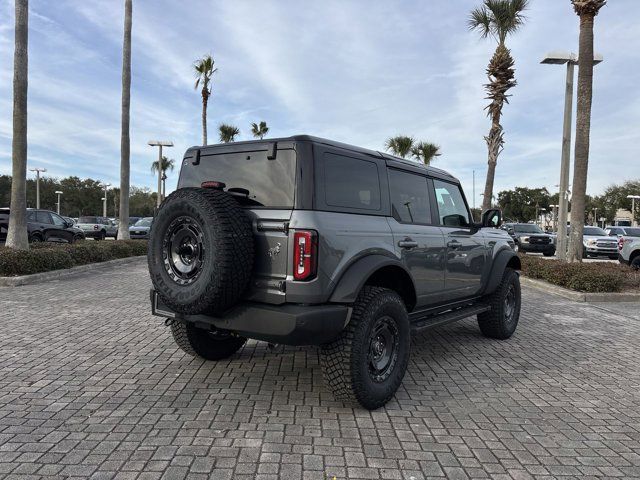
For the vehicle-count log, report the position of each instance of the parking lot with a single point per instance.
(92, 386)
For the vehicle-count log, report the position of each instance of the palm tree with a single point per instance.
(425, 151)
(17, 235)
(400, 145)
(259, 130)
(228, 133)
(587, 11)
(125, 142)
(161, 167)
(497, 19)
(204, 70)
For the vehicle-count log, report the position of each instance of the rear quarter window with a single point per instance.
(351, 183)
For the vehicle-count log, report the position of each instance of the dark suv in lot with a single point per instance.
(530, 238)
(306, 241)
(43, 226)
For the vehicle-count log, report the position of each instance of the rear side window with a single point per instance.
(409, 197)
(351, 182)
(451, 206)
(43, 217)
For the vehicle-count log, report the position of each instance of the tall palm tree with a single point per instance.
(17, 234)
(228, 132)
(161, 167)
(400, 145)
(204, 70)
(497, 19)
(425, 152)
(259, 130)
(587, 11)
(125, 142)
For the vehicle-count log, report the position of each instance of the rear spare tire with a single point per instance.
(200, 251)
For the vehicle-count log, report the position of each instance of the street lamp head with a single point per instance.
(58, 192)
(635, 197)
(160, 143)
(560, 58)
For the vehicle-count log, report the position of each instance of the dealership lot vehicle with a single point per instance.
(140, 229)
(598, 244)
(305, 241)
(529, 238)
(614, 231)
(629, 251)
(94, 227)
(44, 226)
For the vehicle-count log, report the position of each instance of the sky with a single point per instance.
(356, 71)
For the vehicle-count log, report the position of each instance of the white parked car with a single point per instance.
(629, 248)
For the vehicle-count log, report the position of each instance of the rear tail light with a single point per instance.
(305, 254)
(620, 243)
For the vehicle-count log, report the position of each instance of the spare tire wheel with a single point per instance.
(200, 251)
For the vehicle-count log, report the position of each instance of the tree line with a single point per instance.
(521, 204)
(80, 197)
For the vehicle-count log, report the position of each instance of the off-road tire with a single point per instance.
(35, 238)
(345, 361)
(102, 235)
(204, 343)
(635, 263)
(227, 251)
(495, 323)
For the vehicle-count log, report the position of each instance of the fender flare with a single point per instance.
(356, 275)
(500, 262)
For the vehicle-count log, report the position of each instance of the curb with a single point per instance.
(68, 272)
(579, 296)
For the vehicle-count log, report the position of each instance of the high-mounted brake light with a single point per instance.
(212, 184)
(305, 254)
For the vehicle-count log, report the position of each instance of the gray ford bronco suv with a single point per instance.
(306, 241)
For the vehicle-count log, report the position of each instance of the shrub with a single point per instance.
(582, 277)
(44, 257)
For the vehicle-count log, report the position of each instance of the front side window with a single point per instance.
(57, 220)
(452, 208)
(351, 183)
(409, 197)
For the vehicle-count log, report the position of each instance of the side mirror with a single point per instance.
(491, 218)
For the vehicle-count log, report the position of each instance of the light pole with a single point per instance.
(38, 170)
(571, 59)
(104, 199)
(595, 215)
(58, 192)
(633, 208)
(160, 144)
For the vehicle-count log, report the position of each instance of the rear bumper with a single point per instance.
(287, 324)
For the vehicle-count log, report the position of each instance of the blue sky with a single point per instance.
(355, 71)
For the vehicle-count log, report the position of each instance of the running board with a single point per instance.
(423, 321)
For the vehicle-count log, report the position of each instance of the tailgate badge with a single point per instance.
(272, 252)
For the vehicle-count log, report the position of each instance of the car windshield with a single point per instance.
(527, 228)
(144, 222)
(633, 232)
(594, 232)
(88, 220)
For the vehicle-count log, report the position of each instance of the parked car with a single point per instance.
(305, 241)
(629, 251)
(529, 238)
(112, 228)
(140, 230)
(133, 220)
(614, 231)
(43, 226)
(94, 227)
(598, 244)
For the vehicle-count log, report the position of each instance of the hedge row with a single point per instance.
(44, 257)
(600, 277)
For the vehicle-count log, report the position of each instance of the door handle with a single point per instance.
(407, 243)
(454, 244)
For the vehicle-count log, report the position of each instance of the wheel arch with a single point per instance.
(375, 270)
(505, 258)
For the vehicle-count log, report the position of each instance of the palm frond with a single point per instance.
(480, 19)
(228, 132)
(425, 152)
(400, 145)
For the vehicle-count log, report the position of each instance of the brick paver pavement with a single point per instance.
(92, 386)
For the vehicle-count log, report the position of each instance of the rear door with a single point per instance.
(418, 239)
(466, 255)
(60, 229)
(264, 184)
(47, 228)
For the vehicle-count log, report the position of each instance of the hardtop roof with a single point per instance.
(391, 159)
